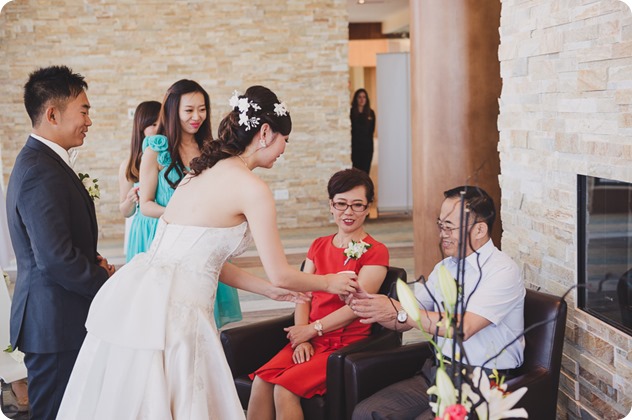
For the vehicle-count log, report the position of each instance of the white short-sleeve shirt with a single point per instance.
(496, 292)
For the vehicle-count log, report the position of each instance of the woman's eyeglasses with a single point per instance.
(357, 207)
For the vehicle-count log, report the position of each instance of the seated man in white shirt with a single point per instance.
(494, 316)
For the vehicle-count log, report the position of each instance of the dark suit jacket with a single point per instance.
(54, 231)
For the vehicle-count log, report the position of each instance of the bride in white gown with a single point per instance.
(152, 349)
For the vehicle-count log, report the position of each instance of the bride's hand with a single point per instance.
(342, 283)
(284, 295)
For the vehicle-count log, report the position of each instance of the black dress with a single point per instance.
(362, 129)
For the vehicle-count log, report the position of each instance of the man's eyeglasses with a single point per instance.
(357, 207)
(444, 229)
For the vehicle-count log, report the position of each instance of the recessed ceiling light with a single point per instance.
(360, 1)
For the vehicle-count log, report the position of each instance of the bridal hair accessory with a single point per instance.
(243, 105)
(280, 110)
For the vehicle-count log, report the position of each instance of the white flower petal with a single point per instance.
(448, 288)
(408, 300)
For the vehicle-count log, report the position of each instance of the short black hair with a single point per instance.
(477, 201)
(348, 179)
(54, 83)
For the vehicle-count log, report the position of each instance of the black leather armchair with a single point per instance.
(249, 347)
(367, 373)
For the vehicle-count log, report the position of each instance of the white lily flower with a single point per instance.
(499, 405)
(448, 288)
(445, 392)
(407, 299)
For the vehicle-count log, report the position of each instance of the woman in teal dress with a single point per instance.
(145, 124)
(183, 125)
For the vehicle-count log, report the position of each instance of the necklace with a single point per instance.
(243, 160)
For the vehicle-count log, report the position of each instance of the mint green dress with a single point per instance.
(143, 229)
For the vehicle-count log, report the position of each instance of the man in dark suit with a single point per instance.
(53, 230)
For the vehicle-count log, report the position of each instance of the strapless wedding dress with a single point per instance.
(152, 349)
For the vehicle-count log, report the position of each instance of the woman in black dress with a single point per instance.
(362, 129)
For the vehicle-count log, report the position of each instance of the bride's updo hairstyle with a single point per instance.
(258, 106)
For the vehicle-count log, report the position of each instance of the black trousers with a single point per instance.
(48, 375)
(361, 159)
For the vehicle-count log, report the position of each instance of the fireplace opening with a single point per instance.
(605, 250)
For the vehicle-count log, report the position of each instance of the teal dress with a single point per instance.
(143, 229)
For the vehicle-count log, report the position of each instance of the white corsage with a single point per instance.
(355, 250)
(91, 185)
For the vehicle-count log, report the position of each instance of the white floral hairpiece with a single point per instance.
(280, 109)
(243, 104)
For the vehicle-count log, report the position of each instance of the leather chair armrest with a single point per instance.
(368, 372)
(381, 340)
(249, 347)
(536, 380)
(529, 379)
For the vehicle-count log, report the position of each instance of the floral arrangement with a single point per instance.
(243, 105)
(489, 400)
(91, 185)
(355, 250)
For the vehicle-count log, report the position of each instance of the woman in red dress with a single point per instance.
(325, 324)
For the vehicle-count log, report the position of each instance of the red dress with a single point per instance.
(308, 379)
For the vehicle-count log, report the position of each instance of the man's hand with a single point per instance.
(103, 262)
(374, 308)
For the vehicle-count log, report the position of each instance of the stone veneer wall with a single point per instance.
(133, 50)
(566, 109)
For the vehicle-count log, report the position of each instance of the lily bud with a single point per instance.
(447, 284)
(408, 300)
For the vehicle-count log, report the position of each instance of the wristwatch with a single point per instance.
(402, 316)
(318, 327)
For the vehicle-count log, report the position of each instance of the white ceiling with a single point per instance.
(392, 13)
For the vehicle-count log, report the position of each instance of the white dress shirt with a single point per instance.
(499, 298)
(63, 153)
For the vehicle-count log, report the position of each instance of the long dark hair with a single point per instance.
(145, 115)
(233, 137)
(354, 104)
(169, 124)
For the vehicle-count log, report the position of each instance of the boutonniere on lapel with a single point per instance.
(91, 185)
(355, 250)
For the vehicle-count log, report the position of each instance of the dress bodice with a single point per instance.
(197, 248)
(180, 271)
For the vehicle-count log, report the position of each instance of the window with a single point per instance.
(605, 250)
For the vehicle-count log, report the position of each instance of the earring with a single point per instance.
(262, 142)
